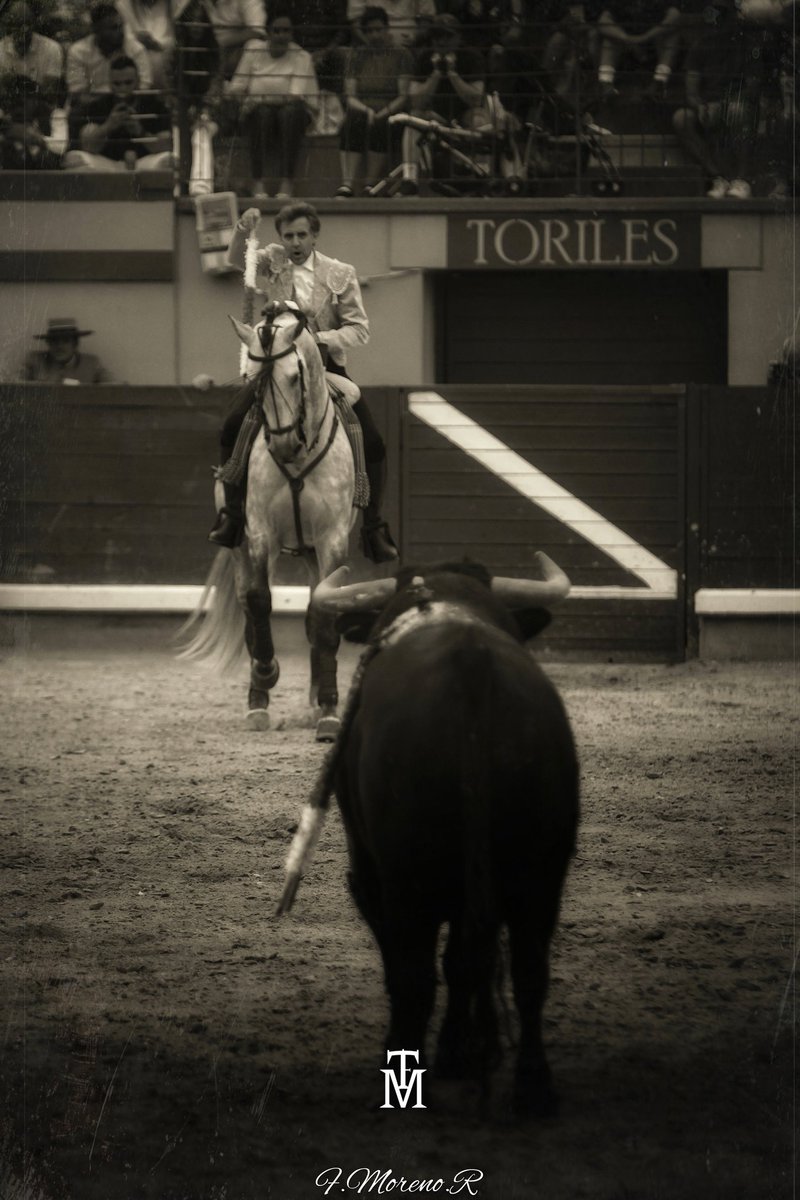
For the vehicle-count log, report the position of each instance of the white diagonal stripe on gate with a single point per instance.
(540, 489)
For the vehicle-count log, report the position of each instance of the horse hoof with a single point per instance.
(328, 728)
(258, 719)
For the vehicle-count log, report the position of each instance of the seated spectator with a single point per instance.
(26, 143)
(377, 79)
(724, 71)
(568, 88)
(195, 79)
(408, 19)
(780, 147)
(235, 23)
(323, 31)
(67, 21)
(89, 60)
(150, 21)
(196, 61)
(321, 25)
(482, 21)
(124, 129)
(25, 52)
(448, 86)
(61, 361)
(638, 30)
(279, 94)
(196, 36)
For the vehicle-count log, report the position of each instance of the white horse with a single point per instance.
(300, 489)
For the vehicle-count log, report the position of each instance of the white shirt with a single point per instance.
(231, 17)
(274, 79)
(153, 19)
(303, 280)
(87, 66)
(43, 63)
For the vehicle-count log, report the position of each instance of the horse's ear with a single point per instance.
(243, 330)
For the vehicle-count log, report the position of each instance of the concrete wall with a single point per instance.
(133, 324)
(748, 639)
(762, 304)
(394, 302)
(156, 330)
(107, 264)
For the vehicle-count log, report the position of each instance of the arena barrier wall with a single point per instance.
(648, 497)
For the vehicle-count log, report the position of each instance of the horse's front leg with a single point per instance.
(324, 641)
(264, 668)
(321, 632)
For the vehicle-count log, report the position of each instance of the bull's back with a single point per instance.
(459, 733)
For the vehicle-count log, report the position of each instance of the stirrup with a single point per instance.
(377, 543)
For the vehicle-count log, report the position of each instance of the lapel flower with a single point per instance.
(338, 277)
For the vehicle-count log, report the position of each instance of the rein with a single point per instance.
(296, 482)
(268, 359)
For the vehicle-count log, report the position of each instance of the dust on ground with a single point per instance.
(166, 1036)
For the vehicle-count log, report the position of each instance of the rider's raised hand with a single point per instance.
(249, 220)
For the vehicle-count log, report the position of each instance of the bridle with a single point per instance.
(266, 390)
(265, 384)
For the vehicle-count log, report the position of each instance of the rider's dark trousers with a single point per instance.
(374, 447)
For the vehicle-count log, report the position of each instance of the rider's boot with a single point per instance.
(229, 525)
(376, 540)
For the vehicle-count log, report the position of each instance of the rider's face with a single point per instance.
(298, 239)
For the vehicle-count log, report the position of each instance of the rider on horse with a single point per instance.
(328, 292)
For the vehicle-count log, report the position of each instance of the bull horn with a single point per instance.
(518, 592)
(332, 597)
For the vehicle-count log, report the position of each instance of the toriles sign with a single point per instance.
(572, 241)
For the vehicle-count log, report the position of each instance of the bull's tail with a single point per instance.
(316, 809)
(480, 912)
(214, 632)
(300, 853)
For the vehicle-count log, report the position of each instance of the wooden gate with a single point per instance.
(594, 476)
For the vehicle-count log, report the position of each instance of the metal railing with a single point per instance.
(567, 110)
(554, 132)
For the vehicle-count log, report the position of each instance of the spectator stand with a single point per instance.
(549, 64)
(540, 82)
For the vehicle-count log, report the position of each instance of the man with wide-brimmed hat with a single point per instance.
(61, 361)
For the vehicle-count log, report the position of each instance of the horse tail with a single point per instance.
(215, 628)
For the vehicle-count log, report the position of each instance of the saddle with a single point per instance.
(355, 436)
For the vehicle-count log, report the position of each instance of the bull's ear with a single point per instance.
(531, 621)
(356, 626)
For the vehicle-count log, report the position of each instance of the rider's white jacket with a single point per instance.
(336, 312)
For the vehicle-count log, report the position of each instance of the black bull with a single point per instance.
(457, 780)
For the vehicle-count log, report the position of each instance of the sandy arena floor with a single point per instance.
(166, 1036)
